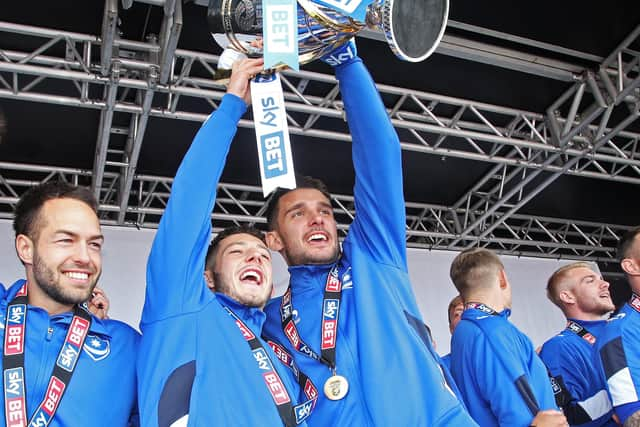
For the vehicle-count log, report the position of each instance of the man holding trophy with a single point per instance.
(349, 317)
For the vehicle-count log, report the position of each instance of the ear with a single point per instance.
(630, 267)
(25, 248)
(208, 277)
(274, 241)
(504, 282)
(567, 297)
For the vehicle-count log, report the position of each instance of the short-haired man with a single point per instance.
(500, 376)
(58, 358)
(350, 317)
(583, 296)
(619, 345)
(202, 359)
(454, 314)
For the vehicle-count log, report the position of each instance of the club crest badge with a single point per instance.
(97, 348)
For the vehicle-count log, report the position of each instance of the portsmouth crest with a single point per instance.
(96, 347)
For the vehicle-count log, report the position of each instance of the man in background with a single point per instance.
(500, 376)
(583, 296)
(454, 314)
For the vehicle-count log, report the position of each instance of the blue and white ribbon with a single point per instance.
(280, 33)
(272, 133)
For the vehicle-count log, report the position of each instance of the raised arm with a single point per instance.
(178, 253)
(380, 213)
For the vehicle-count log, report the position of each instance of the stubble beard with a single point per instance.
(45, 279)
(252, 301)
(302, 258)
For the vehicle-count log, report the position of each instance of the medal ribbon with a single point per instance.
(482, 307)
(635, 302)
(581, 331)
(13, 363)
(272, 133)
(290, 415)
(330, 311)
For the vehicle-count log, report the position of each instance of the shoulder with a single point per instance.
(273, 305)
(120, 330)
(466, 330)
(621, 323)
(558, 348)
(558, 342)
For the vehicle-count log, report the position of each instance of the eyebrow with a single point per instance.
(74, 234)
(592, 275)
(301, 204)
(245, 244)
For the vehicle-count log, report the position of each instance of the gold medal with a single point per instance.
(336, 387)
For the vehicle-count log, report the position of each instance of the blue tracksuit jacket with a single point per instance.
(102, 391)
(193, 359)
(383, 348)
(490, 360)
(619, 351)
(571, 357)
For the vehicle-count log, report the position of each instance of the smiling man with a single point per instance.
(583, 296)
(202, 360)
(349, 317)
(49, 335)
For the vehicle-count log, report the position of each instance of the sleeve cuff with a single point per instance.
(232, 106)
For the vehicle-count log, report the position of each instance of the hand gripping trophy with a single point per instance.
(292, 32)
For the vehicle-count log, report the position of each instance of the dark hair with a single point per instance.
(229, 231)
(27, 219)
(625, 244)
(271, 213)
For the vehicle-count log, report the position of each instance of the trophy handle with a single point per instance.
(413, 28)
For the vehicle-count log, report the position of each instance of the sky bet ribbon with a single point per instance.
(272, 133)
(280, 33)
(357, 9)
(13, 372)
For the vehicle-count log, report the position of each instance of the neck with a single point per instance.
(634, 282)
(585, 316)
(490, 299)
(37, 298)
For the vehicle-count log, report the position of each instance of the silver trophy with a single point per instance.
(412, 28)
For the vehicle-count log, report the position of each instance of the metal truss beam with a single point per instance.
(429, 226)
(427, 123)
(506, 188)
(520, 144)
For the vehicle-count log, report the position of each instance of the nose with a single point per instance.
(316, 219)
(81, 254)
(604, 284)
(253, 255)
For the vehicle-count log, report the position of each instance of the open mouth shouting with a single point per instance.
(252, 276)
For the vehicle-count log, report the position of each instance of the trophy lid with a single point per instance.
(413, 28)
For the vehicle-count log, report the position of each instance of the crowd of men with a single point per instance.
(344, 346)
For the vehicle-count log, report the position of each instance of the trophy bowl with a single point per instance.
(412, 28)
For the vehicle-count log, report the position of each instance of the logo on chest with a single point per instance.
(96, 347)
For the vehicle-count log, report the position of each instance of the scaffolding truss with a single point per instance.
(584, 133)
